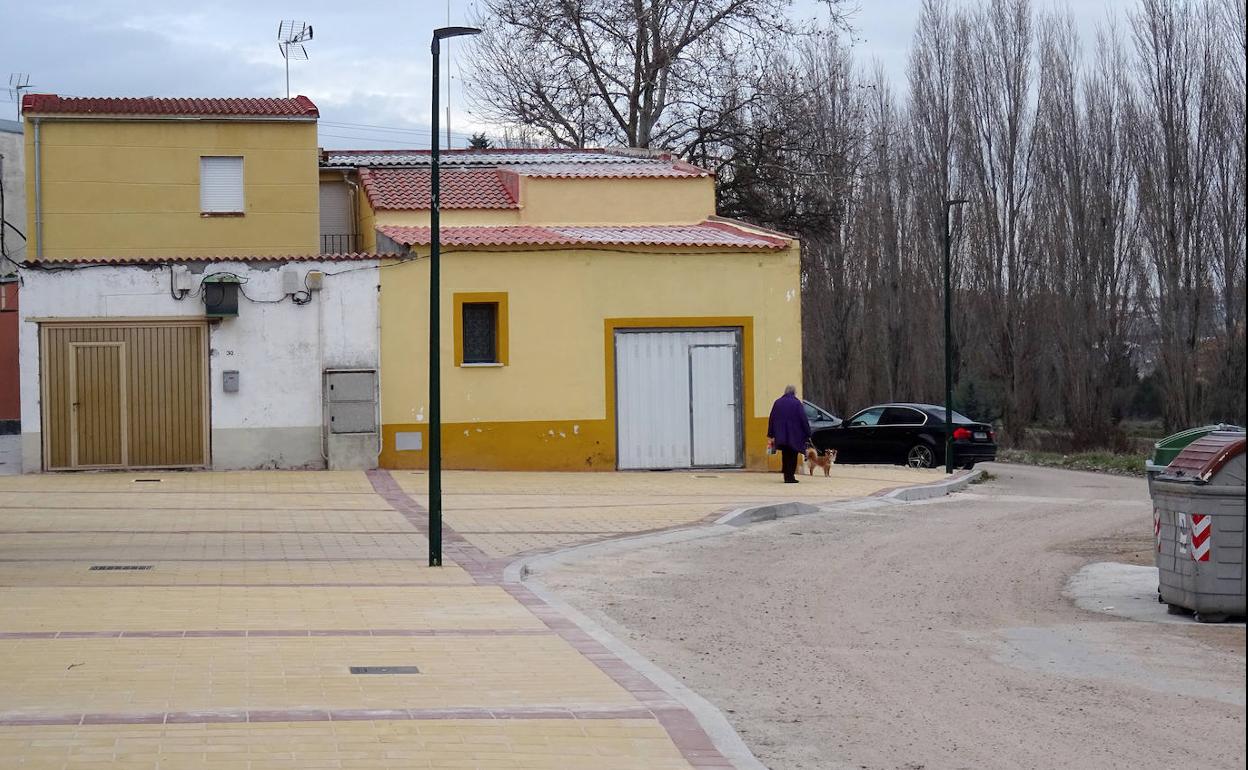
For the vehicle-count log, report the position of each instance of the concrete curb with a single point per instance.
(747, 516)
(954, 483)
(713, 721)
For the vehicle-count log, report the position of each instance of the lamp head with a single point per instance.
(442, 33)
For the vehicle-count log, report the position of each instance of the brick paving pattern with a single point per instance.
(232, 646)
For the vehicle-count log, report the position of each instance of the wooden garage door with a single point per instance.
(124, 394)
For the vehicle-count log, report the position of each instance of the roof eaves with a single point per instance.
(146, 260)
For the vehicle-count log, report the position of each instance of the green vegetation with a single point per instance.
(984, 477)
(1103, 462)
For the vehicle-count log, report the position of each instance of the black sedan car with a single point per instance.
(907, 434)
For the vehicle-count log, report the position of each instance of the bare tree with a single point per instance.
(1085, 227)
(1104, 238)
(1173, 150)
(995, 122)
(641, 73)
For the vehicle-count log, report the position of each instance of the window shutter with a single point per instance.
(221, 184)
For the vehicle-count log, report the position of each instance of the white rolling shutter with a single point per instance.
(676, 399)
(221, 184)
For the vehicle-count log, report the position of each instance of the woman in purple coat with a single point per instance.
(789, 429)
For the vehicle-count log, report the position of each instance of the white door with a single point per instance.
(658, 410)
(713, 404)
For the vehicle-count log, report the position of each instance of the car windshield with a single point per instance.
(814, 413)
(939, 414)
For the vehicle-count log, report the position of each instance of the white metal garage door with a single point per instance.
(677, 395)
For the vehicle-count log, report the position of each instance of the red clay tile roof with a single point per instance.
(146, 106)
(407, 189)
(711, 234)
(165, 259)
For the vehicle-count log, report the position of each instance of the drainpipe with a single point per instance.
(38, 195)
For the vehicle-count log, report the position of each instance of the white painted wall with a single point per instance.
(13, 179)
(279, 349)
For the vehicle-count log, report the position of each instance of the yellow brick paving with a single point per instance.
(625, 744)
(294, 552)
(510, 513)
(371, 571)
(130, 500)
(158, 675)
(146, 547)
(238, 608)
(182, 520)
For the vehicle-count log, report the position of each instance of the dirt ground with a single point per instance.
(931, 635)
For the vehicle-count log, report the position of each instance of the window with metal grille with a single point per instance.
(221, 184)
(480, 332)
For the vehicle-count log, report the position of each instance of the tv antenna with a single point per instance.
(291, 35)
(18, 82)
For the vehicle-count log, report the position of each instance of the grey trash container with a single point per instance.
(1198, 510)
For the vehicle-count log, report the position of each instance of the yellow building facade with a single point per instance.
(117, 178)
(572, 252)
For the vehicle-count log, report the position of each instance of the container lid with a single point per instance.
(1204, 457)
(1167, 448)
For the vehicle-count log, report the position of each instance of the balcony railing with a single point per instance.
(348, 243)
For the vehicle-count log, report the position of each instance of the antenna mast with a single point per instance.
(291, 35)
(449, 76)
(18, 82)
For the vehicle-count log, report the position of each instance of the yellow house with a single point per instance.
(598, 314)
(113, 177)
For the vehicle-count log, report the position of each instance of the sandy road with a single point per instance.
(931, 635)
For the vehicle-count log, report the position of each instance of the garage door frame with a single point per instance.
(742, 373)
(200, 323)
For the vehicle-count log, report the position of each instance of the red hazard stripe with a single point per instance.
(1199, 538)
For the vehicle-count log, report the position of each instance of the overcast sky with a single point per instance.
(368, 67)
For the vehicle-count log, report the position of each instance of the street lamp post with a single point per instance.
(435, 331)
(949, 204)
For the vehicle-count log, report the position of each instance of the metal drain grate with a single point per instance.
(384, 670)
(118, 567)
(147, 481)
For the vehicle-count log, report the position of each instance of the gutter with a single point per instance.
(38, 193)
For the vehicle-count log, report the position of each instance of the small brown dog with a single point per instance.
(825, 461)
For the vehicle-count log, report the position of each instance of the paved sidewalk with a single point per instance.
(169, 621)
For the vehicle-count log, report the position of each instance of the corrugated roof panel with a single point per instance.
(482, 157)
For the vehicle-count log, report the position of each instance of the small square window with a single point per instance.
(221, 184)
(480, 332)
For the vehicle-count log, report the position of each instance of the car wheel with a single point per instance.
(920, 456)
(969, 466)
